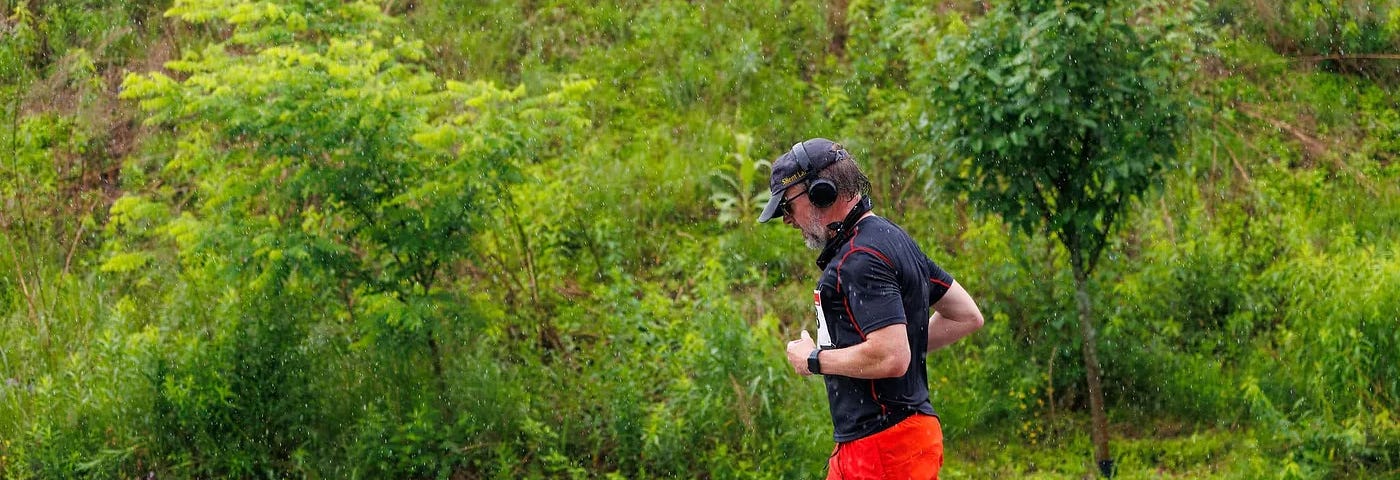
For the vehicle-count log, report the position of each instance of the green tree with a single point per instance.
(1057, 115)
(323, 162)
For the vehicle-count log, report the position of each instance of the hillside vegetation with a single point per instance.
(326, 239)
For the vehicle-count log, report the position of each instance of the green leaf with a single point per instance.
(126, 262)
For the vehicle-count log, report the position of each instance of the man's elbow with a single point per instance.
(894, 366)
(976, 320)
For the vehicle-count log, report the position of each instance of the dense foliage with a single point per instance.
(249, 238)
(1056, 117)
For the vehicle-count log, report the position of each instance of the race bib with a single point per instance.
(823, 335)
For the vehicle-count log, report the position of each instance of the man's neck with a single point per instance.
(838, 227)
(839, 210)
(839, 214)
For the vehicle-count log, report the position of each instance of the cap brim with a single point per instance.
(772, 209)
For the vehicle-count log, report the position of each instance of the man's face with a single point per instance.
(799, 213)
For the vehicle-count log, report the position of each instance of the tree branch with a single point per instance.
(1354, 56)
(1312, 146)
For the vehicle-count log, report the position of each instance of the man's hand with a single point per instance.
(797, 352)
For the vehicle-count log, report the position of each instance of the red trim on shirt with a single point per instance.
(874, 394)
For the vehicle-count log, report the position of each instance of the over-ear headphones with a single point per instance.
(820, 191)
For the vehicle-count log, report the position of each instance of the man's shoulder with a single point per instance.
(893, 243)
(879, 233)
(875, 239)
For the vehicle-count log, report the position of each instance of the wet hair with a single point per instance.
(846, 174)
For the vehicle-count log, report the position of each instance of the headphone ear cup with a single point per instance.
(822, 192)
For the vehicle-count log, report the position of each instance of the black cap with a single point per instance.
(803, 161)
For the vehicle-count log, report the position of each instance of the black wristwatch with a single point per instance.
(814, 364)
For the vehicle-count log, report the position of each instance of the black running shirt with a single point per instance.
(879, 277)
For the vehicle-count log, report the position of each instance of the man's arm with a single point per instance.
(955, 316)
(883, 354)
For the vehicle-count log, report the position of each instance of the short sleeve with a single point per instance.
(939, 282)
(869, 285)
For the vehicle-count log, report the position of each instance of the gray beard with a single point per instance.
(814, 233)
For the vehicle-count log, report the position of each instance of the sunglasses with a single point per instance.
(785, 206)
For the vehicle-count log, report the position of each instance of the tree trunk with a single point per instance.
(836, 22)
(1099, 433)
(440, 378)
